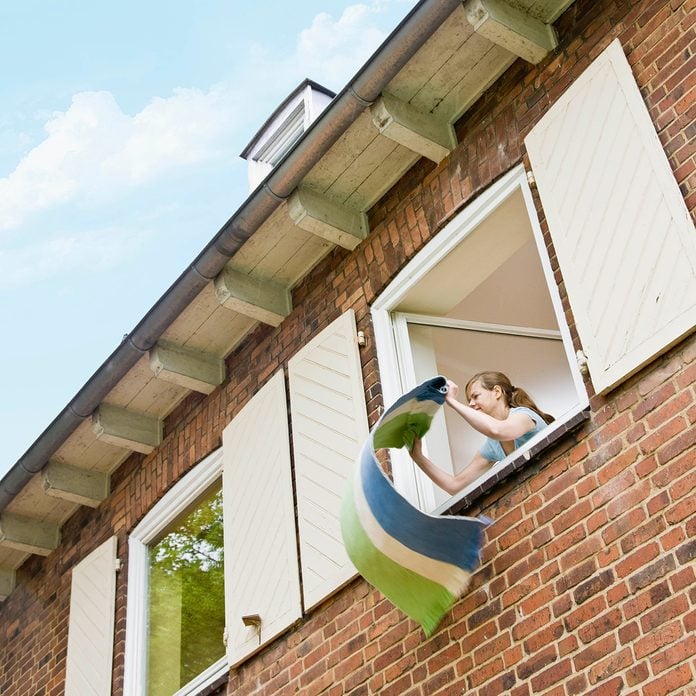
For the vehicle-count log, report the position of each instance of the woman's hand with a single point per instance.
(417, 449)
(452, 392)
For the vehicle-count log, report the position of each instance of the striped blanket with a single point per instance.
(421, 562)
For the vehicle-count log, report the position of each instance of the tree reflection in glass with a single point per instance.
(186, 602)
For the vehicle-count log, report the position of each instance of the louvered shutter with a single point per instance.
(329, 424)
(91, 626)
(624, 239)
(261, 567)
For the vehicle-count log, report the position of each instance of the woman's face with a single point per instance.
(482, 399)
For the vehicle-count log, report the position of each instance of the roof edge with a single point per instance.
(365, 87)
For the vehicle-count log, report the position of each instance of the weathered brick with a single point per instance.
(592, 586)
(551, 676)
(659, 638)
(669, 683)
(651, 573)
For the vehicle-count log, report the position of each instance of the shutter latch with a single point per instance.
(255, 621)
(582, 363)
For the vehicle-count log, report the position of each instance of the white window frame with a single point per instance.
(409, 481)
(183, 494)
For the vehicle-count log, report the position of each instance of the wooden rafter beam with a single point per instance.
(76, 485)
(327, 219)
(511, 28)
(258, 298)
(125, 428)
(7, 582)
(28, 534)
(201, 372)
(420, 132)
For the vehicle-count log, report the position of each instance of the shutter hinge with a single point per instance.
(224, 636)
(530, 177)
(582, 363)
(117, 564)
(362, 341)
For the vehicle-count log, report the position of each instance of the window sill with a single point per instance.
(510, 465)
(207, 682)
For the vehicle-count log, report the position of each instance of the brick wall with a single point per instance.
(587, 583)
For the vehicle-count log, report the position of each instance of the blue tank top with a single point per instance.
(493, 451)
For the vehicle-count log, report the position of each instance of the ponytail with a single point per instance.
(519, 397)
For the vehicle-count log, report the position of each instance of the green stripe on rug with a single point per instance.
(423, 600)
(400, 431)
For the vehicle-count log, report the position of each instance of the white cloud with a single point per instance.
(331, 51)
(94, 150)
(64, 254)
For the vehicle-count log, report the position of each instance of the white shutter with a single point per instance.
(624, 239)
(329, 425)
(261, 568)
(91, 626)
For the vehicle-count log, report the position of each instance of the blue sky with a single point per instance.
(121, 126)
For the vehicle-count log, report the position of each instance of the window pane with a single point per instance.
(186, 603)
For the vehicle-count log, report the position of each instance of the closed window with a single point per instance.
(217, 555)
(176, 606)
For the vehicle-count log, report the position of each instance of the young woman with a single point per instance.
(505, 414)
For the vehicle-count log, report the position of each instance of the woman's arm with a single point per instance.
(514, 426)
(452, 484)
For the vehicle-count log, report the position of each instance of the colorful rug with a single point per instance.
(421, 562)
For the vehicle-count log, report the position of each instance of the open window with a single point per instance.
(480, 296)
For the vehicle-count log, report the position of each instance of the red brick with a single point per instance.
(543, 637)
(661, 436)
(606, 668)
(594, 652)
(492, 648)
(647, 599)
(668, 610)
(536, 662)
(645, 533)
(623, 524)
(612, 483)
(668, 410)
(675, 447)
(532, 623)
(631, 498)
(586, 612)
(681, 511)
(637, 559)
(676, 654)
(600, 625)
(669, 682)
(664, 635)
(551, 676)
(590, 587)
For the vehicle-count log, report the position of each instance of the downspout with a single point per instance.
(367, 85)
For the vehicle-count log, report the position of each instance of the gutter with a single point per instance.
(367, 85)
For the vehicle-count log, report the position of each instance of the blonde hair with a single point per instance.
(514, 396)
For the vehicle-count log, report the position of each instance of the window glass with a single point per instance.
(186, 596)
